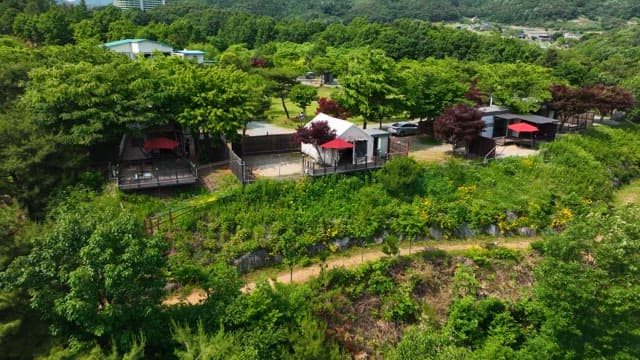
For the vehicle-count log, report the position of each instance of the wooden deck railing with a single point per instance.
(151, 177)
(312, 168)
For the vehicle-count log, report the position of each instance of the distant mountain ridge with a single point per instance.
(505, 11)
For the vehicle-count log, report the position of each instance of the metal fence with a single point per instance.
(398, 148)
(239, 168)
(143, 176)
(312, 168)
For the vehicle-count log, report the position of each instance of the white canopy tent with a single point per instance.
(362, 150)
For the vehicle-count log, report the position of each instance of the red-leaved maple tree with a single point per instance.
(458, 125)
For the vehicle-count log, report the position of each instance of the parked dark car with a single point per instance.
(403, 128)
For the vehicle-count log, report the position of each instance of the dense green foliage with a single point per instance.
(92, 278)
(88, 274)
(86, 291)
(512, 11)
(583, 306)
(66, 103)
(574, 174)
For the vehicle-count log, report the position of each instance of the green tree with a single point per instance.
(309, 342)
(223, 284)
(401, 177)
(426, 343)
(430, 87)
(321, 65)
(521, 87)
(54, 26)
(281, 80)
(22, 334)
(200, 345)
(220, 100)
(303, 95)
(17, 62)
(291, 56)
(370, 86)
(85, 30)
(236, 55)
(84, 103)
(588, 286)
(92, 275)
(25, 26)
(103, 17)
(408, 222)
(291, 249)
(34, 162)
(390, 245)
(120, 29)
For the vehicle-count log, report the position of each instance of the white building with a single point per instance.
(361, 152)
(194, 55)
(138, 4)
(136, 47)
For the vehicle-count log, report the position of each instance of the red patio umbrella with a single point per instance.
(522, 127)
(337, 144)
(160, 143)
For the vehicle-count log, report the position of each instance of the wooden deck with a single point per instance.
(154, 174)
(510, 140)
(312, 168)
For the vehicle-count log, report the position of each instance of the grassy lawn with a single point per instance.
(277, 116)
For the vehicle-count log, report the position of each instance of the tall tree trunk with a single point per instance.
(364, 123)
(284, 106)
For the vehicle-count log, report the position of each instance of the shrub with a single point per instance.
(400, 307)
(401, 177)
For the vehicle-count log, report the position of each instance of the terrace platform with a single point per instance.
(154, 173)
(311, 168)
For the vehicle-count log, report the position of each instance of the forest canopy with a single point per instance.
(509, 12)
(80, 278)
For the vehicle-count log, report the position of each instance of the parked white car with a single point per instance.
(403, 128)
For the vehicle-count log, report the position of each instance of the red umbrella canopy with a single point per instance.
(522, 127)
(160, 143)
(337, 144)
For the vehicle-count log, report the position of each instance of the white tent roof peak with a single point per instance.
(339, 125)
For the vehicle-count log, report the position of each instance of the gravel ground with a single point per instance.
(289, 165)
(286, 165)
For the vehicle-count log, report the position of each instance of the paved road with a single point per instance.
(259, 128)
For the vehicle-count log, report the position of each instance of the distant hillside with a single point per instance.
(504, 11)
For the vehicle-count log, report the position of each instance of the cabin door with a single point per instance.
(360, 152)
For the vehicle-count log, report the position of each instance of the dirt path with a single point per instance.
(301, 275)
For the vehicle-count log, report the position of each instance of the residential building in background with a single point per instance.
(138, 47)
(193, 55)
(138, 4)
(134, 48)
